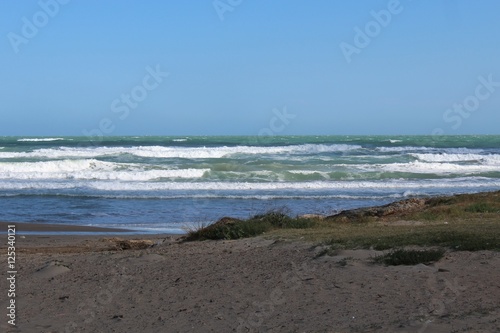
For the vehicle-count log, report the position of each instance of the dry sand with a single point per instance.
(158, 284)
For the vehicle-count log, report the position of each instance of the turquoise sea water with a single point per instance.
(162, 184)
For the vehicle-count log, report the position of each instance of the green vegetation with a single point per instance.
(410, 257)
(482, 207)
(460, 207)
(468, 222)
(229, 228)
(451, 236)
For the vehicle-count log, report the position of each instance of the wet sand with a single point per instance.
(63, 228)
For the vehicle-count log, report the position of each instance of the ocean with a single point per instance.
(157, 184)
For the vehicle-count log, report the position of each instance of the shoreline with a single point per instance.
(55, 229)
(47, 228)
(158, 283)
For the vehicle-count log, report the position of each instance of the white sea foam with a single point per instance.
(413, 149)
(402, 149)
(305, 172)
(177, 152)
(304, 176)
(491, 159)
(149, 187)
(437, 168)
(40, 139)
(245, 186)
(316, 185)
(91, 170)
(323, 174)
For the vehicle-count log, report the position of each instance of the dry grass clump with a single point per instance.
(410, 257)
(129, 244)
(230, 228)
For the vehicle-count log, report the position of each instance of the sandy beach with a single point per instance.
(160, 284)
(233, 166)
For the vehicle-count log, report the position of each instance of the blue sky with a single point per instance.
(76, 67)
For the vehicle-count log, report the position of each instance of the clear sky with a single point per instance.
(244, 66)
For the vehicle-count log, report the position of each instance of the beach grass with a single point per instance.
(230, 228)
(410, 257)
(469, 222)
